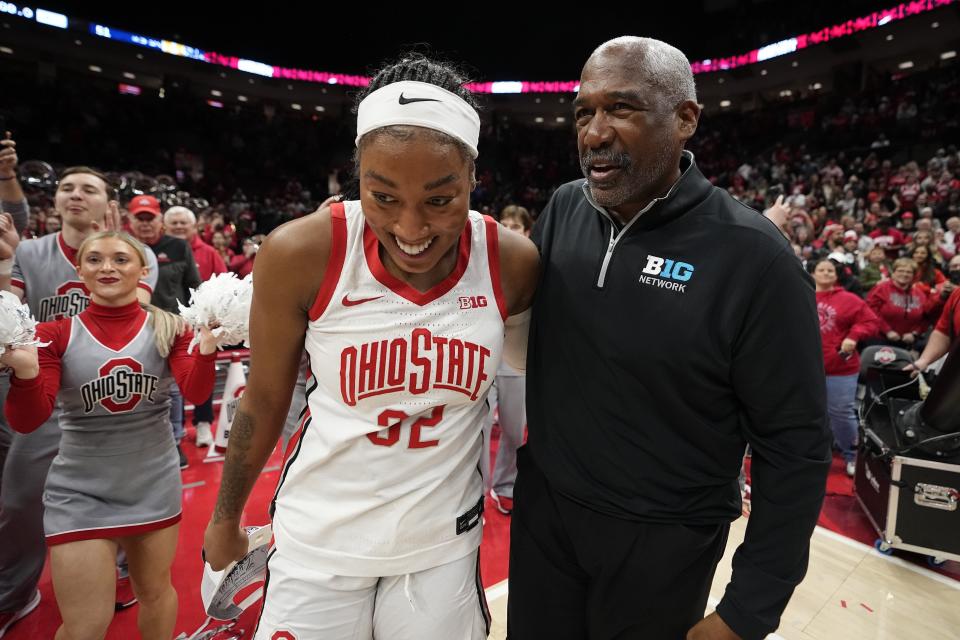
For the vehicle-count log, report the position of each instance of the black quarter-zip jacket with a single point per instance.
(658, 350)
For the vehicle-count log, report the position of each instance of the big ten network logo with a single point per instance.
(472, 302)
(666, 273)
(231, 407)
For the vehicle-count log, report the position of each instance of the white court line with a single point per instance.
(900, 562)
(497, 591)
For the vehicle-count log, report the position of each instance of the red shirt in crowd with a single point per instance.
(903, 311)
(843, 315)
(209, 262)
(242, 265)
(892, 237)
(928, 288)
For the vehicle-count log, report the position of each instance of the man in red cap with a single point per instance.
(176, 275)
(178, 268)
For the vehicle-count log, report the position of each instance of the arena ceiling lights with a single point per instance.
(784, 47)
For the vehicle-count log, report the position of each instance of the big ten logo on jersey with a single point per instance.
(472, 302)
(412, 364)
(120, 387)
(231, 407)
(69, 300)
(666, 273)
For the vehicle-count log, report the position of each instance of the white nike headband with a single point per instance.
(419, 104)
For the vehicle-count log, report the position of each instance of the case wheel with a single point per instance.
(936, 562)
(883, 547)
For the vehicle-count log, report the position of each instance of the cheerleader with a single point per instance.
(116, 480)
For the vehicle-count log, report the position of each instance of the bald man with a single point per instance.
(672, 327)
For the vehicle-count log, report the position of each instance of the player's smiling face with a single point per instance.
(415, 193)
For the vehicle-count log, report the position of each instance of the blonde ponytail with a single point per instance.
(166, 327)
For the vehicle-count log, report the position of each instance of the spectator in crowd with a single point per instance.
(951, 236)
(180, 222)
(242, 264)
(888, 237)
(928, 276)
(947, 329)
(51, 224)
(904, 311)
(219, 242)
(877, 268)
(845, 320)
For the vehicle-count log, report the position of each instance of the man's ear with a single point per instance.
(688, 116)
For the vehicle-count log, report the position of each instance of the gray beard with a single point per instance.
(633, 182)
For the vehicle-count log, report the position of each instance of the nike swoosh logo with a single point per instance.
(409, 100)
(347, 302)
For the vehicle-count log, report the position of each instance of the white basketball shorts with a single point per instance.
(442, 603)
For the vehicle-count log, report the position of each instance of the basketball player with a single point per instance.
(116, 479)
(44, 272)
(399, 300)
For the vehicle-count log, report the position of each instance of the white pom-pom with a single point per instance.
(222, 302)
(17, 326)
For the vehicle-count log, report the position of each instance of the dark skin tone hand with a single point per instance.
(712, 628)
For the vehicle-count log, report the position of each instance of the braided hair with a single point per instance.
(419, 68)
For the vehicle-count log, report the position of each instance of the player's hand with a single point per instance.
(23, 361)
(909, 338)
(712, 628)
(893, 336)
(848, 345)
(223, 543)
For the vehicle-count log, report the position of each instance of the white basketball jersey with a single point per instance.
(383, 476)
